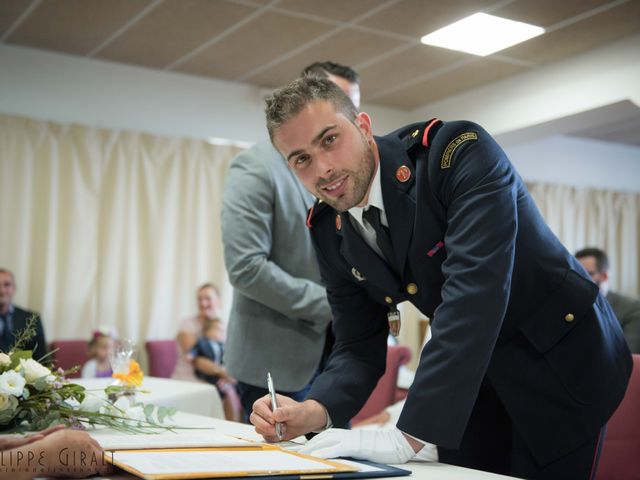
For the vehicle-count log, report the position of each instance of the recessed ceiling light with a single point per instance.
(482, 34)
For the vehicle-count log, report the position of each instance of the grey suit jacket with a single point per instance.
(280, 313)
(627, 309)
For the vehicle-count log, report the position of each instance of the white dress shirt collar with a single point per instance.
(375, 199)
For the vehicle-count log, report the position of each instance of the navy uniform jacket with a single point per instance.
(508, 303)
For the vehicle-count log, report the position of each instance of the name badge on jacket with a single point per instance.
(394, 322)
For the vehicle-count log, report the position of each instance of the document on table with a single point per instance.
(204, 463)
(119, 441)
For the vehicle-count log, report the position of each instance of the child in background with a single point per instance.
(101, 346)
(207, 354)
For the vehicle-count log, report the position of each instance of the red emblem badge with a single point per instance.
(403, 173)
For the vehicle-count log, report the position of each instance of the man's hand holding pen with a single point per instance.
(274, 404)
(297, 418)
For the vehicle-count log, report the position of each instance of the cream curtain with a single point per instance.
(606, 219)
(106, 227)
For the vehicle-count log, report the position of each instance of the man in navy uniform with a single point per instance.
(527, 361)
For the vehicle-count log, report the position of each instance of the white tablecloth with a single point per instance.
(190, 397)
(421, 471)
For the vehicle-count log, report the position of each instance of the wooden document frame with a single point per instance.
(329, 468)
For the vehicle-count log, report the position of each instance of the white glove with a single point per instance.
(385, 446)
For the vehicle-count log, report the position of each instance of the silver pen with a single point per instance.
(274, 403)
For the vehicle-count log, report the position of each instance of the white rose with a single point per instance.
(7, 402)
(5, 360)
(12, 383)
(33, 370)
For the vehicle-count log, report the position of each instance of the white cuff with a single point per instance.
(428, 453)
(327, 425)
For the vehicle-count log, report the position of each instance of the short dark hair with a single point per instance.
(602, 261)
(323, 69)
(286, 102)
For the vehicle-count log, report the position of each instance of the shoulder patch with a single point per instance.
(447, 155)
(314, 212)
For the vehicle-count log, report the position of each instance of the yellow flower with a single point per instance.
(133, 377)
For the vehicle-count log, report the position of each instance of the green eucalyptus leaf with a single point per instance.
(17, 355)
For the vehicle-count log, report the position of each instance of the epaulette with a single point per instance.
(314, 212)
(421, 135)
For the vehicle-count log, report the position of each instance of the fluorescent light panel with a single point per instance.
(482, 34)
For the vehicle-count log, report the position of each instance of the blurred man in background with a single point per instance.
(14, 319)
(277, 299)
(627, 309)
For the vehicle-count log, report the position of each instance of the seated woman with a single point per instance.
(208, 300)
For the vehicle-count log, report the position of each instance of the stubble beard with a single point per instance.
(361, 179)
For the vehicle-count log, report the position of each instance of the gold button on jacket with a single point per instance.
(569, 317)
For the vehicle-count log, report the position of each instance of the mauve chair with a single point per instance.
(69, 354)
(385, 392)
(163, 356)
(620, 457)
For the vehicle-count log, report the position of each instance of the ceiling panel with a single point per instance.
(477, 72)
(10, 11)
(545, 13)
(415, 18)
(620, 131)
(332, 9)
(173, 29)
(349, 47)
(254, 44)
(417, 61)
(266, 42)
(74, 26)
(589, 33)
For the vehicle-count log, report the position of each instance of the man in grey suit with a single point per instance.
(280, 318)
(627, 309)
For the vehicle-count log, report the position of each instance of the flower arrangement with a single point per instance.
(34, 397)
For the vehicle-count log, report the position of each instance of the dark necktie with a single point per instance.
(5, 337)
(383, 239)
